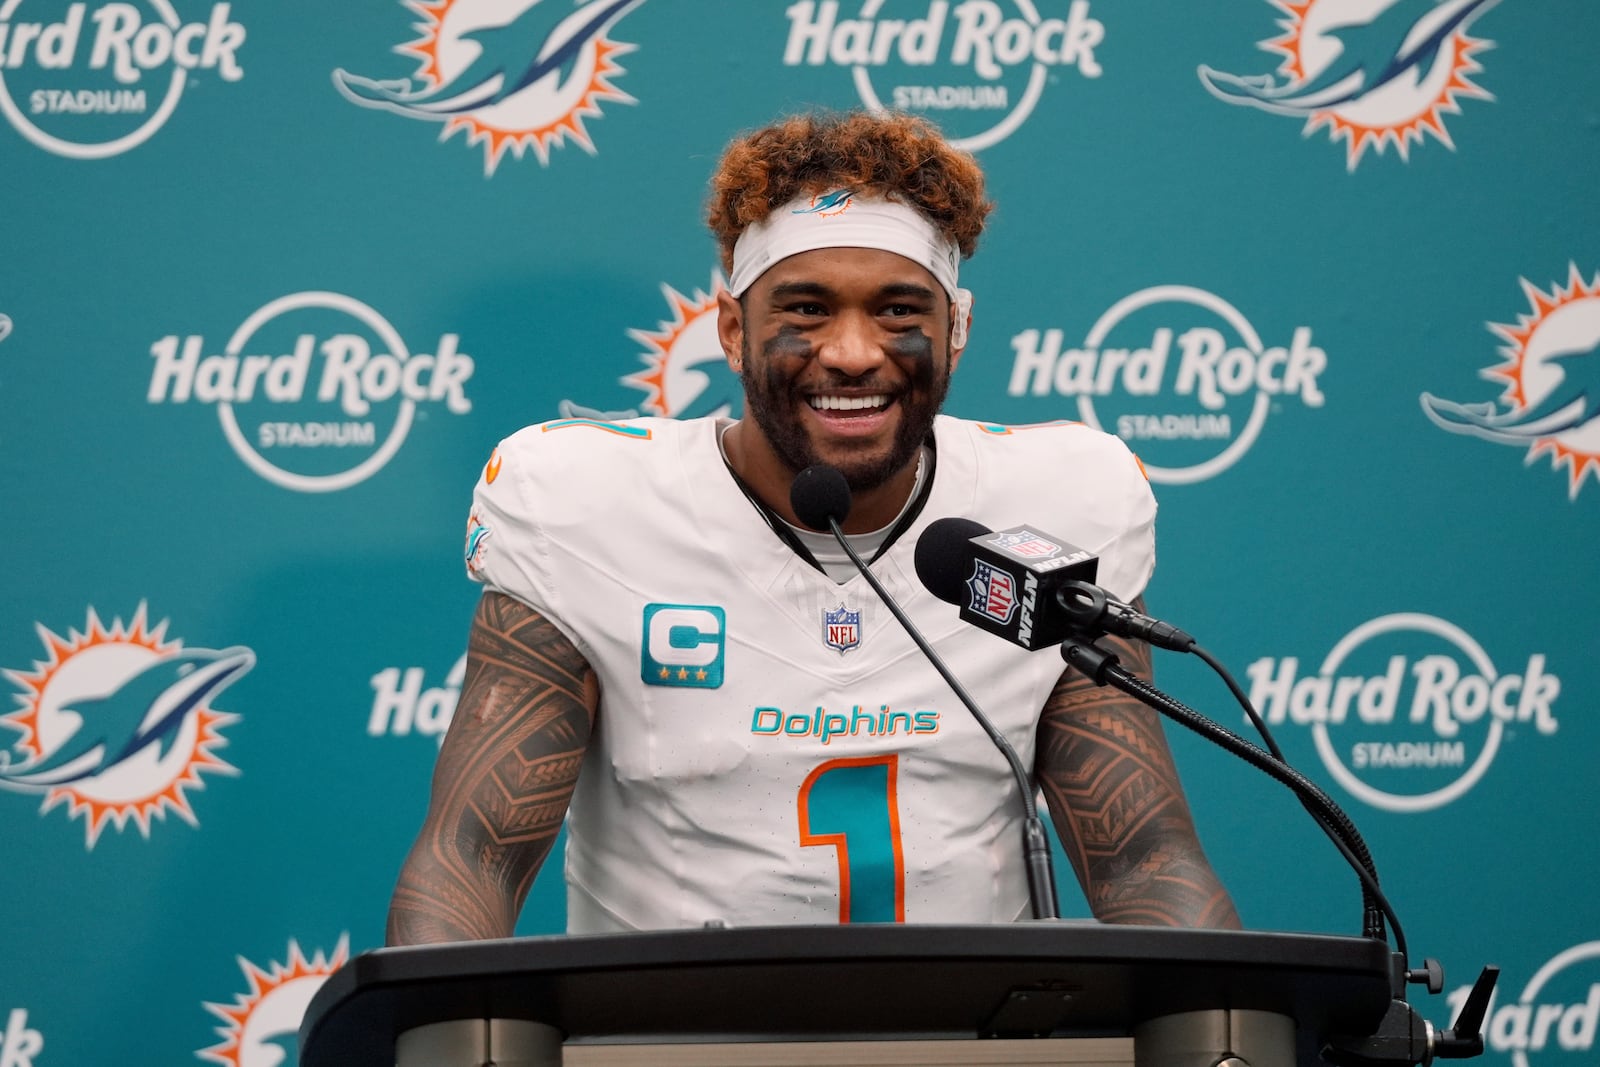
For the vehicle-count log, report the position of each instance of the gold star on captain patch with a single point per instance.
(665, 674)
(683, 674)
(700, 675)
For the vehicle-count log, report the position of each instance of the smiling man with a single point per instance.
(732, 727)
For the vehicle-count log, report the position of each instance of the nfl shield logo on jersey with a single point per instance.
(994, 593)
(842, 629)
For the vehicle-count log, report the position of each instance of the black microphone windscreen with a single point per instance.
(820, 493)
(944, 557)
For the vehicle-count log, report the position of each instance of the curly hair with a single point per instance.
(894, 155)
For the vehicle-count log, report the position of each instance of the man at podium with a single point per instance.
(732, 725)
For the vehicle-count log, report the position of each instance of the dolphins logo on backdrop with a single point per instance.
(1375, 72)
(5, 327)
(686, 373)
(514, 74)
(1550, 402)
(117, 722)
(262, 1026)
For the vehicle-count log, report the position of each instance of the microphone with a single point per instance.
(1029, 587)
(820, 497)
(965, 563)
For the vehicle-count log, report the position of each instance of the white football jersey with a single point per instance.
(771, 747)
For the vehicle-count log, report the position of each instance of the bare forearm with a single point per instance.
(1113, 790)
(1165, 885)
(503, 782)
(471, 884)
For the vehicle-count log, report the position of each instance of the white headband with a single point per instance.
(842, 219)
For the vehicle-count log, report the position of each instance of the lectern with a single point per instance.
(1187, 998)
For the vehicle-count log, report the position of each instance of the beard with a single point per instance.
(770, 399)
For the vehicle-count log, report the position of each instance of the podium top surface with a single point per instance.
(845, 982)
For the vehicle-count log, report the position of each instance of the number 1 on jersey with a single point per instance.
(852, 805)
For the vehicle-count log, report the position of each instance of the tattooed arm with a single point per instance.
(503, 780)
(1114, 795)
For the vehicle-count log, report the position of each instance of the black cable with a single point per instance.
(1102, 667)
(1244, 701)
(1342, 824)
(1041, 875)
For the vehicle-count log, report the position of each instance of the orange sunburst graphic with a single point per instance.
(1398, 113)
(1564, 320)
(544, 115)
(677, 346)
(73, 701)
(272, 1008)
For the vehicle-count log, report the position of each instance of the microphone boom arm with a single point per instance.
(1036, 843)
(1103, 668)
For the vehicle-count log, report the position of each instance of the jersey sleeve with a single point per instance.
(1128, 557)
(506, 549)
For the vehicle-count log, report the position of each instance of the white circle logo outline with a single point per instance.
(1557, 963)
(318, 483)
(102, 149)
(1422, 801)
(994, 134)
(1184, 294)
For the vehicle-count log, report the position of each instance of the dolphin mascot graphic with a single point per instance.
(1403, 37)
(720, 393)
(537, 44)
(147, 709)
(1573, 402)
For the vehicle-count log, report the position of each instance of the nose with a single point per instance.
(852, 347)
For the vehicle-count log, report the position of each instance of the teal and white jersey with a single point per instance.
(771, 747)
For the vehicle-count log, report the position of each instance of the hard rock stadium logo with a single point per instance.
(1177, 372)
(685, 373)
(314, 391)
(1372, 72)
(513, 75)
(1407, 711)
(977, 66)
(1550, 377)
(1556, 1017)
(90, 81)
(117, 723)
(261, 1027)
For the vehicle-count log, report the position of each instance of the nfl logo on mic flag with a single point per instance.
(994, 594)
(1011, 570)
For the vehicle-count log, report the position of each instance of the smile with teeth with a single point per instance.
(848, 403)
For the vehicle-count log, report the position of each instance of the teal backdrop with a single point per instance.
(275, 278)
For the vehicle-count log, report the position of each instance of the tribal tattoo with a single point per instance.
(1114, 795)
(504, 778)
